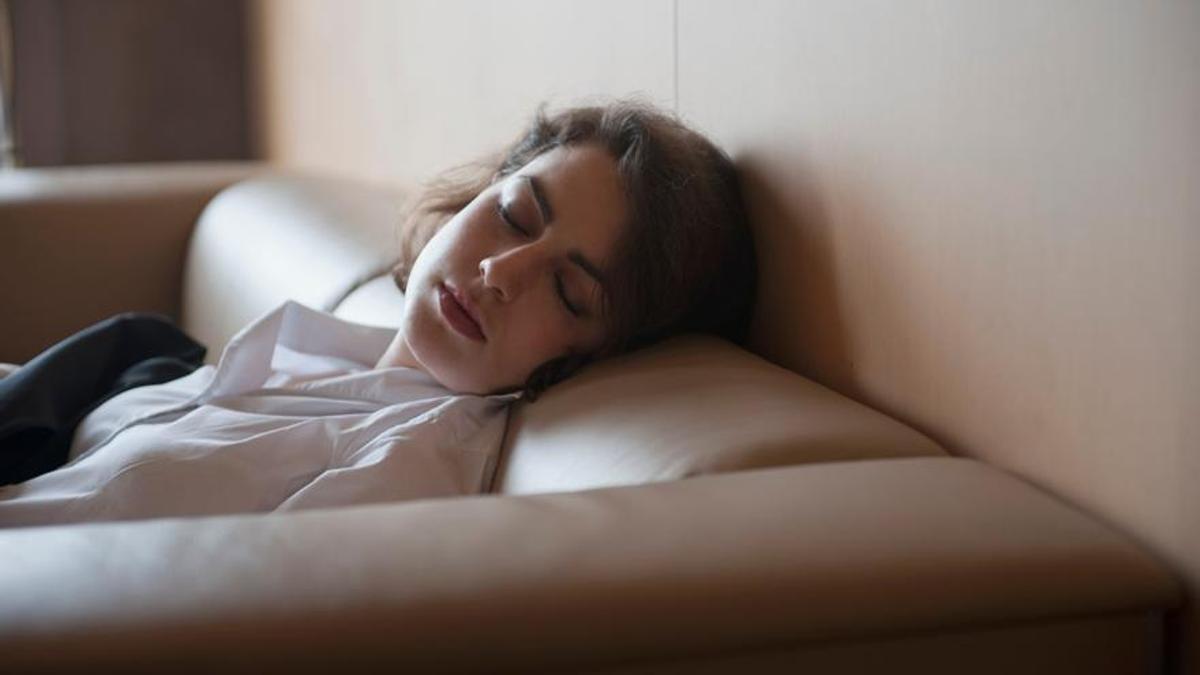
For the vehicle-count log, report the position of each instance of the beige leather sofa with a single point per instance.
(688, 509)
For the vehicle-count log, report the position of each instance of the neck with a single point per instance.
(398, 354)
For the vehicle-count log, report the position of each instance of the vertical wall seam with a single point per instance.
(675, 52)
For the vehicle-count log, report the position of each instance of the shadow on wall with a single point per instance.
(798, 320)
(807, 235)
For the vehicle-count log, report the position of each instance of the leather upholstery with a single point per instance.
(82, 244)
(690, 406)
(712, 566)
(377, 302)
(283, 237)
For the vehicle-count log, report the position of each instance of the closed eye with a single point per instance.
(562, 295)
(559, 288)
(507, 218)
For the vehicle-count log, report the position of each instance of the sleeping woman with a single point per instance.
(601, 230)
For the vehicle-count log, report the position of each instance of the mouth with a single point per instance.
(459, 313)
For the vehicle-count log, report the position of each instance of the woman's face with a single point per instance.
(515, 278)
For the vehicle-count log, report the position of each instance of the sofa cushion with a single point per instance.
(378, 302)
(689, 406)
(283, 237)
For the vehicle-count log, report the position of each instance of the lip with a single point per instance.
(459, 313)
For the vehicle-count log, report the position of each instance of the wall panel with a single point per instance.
(394, 91)
(984, 218)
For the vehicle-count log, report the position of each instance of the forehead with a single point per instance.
(583, 189)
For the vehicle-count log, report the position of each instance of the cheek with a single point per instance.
(462, 239)
(538, 334)
(440, 253)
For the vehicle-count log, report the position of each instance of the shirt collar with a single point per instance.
(253, 353)
(249, 357)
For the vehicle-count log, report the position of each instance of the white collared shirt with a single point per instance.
(294, 416)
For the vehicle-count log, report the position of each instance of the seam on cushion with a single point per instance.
(359, 282)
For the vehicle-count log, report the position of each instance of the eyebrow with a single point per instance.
(539, 196)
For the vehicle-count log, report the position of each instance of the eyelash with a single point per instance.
(507, 218)
(562, 295)
(558, 282)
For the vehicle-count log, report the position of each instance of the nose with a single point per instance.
(507, 273)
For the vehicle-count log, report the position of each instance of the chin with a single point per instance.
(447, 370)
(434, 346)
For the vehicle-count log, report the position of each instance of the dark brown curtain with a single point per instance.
(100, 81)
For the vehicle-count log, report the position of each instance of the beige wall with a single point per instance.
(982, 217)
(393, 91)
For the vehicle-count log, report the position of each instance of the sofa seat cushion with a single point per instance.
(689, 406)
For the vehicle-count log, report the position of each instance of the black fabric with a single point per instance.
(43, 401)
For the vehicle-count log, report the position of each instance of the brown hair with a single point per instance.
(685, 262)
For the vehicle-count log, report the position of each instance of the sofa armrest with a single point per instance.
(80, 244)
(701, 566)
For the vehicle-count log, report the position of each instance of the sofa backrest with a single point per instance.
(694, 405)
(279, 237)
